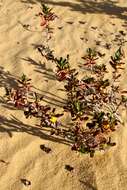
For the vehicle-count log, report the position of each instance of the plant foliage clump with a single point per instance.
(93, 102)
(46, 15)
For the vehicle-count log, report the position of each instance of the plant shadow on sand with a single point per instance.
(41, 68)
(88, 6)
(48, 97)
(15, 125)
(12, 125)
(7, 80)
(52, 99)
(87, 175)
(88, 185)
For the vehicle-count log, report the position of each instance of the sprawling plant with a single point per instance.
(93, 101)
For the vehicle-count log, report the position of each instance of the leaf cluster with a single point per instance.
(93, 103)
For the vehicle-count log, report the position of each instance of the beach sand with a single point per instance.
(81, 24)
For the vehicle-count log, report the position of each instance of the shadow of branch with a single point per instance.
(15, 125)
(88, 6)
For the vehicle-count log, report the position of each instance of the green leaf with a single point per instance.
(91, 52)
(99, 116)
(88, 80)
(46, 10)
(124, 98)
(77, 106)
(62, 63)
(117, 56)
(23, 78)
(83, 149)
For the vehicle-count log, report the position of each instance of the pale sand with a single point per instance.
(20, 139)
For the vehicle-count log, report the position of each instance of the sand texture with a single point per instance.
(81, 24)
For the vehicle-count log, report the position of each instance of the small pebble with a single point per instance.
(26, 182)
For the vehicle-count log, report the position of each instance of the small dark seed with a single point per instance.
(69, 168)
(44, 148)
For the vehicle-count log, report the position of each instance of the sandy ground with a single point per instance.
(81, 24)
